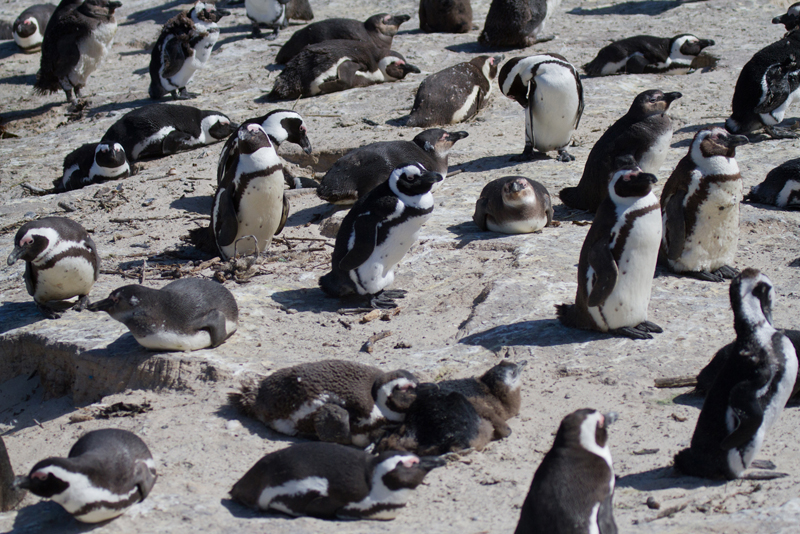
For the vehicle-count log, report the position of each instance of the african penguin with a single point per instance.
(332, 481)
(517, 23)
(28, 29)
(298, 10)
(61, 262)
(648, 54)
(455, 94)
(361, 170)
(750, 391)
(513, 205)
(106, 472)
(768, 84)
(700, 208)
(618, 260)
(182, 49)
(329, 400)
(644, 132)
(268, 13)
(77, 38)
(548, 87)
(93, 163)
(187, 314)
(377, 232)
(250, 206)
(338, 65)
(378, 30)
(10, 495)
(790, 19)
(573, 488)
(446, 16)
(781, 187)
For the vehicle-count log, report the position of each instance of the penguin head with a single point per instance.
(99, 9)
(412, 180)
(518, 191)
(510, 81)
(252, 137)
(394, 393)
(215, 126)
(110, 162)
(26, 27)
(488, 65)
(394, 66)
(504, 378)
(33, 240)
(438, 141)
(688, 46)
(629, 182)
(652, 102)
(751, 299)
(206, 13)
(285, 125)
(122, 303)
(790, 19)
(46, 479)
(395, 471)
(385, 24)
(586, 429)
(715, 142)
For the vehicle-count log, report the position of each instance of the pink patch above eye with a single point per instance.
(39, 475)
(410, 462)
(254, 127)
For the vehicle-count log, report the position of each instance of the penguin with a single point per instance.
(338, 65)
(61, 262)
(361, 170)
(446, 16)
(550, 90)
(28, 29)
(618, 260)
(10, 495)
(157, 130)
(513, 205)
(700, 208)
(332, 481)
(183, 48)
(299, 10)
(750, 391)
(250, 206)
(781, 188)
(377, 232)
(77, 38)
(645, 132)
(573, 488)
(767, 85)
(378, 30)
(790, 19)
(648, 54)
(517, 23)
(330, 400)
(268, 13)
(187, 314)
(455, 94)
(106, 472)
(93, 163)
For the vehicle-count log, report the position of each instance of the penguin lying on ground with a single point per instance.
(10, 495)
(361, 170)
(517, 23)
(644, 132)
(455, 94)
(573, 488)
(106, 472)
(648, 54)
(332, 481)
(749, 392)
(513, 205)
(790, 19)
(447, 16)
(28, 29)
(330, 400)
(93, 163)
(781, 188)
(378, 30)
(61, 262)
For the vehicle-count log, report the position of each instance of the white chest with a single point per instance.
(265, 11)
(553, 110)
(92, 51)
(654, 157)
(260, 210)
(69, 277)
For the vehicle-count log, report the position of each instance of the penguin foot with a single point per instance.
(726, 271)
(528, 155)
(272, 36)
(705, 276)
(564, 156)
(647, 326)
(777, 132)
(385, 299)
(184, 94)
(48, 312)
(763, 464)
(631, 332)
(763, 475)
(536, 40)
(82, 303)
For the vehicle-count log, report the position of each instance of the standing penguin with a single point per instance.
(645, 53)
(377, 232)
(618, 260)
(550, 90)
(700, 208)
(644, 132)
(268, 13)
(182, 49)
(61, 262)
(513, 205)
(93, 163)
(250, 204)
(106, 472)
(78, 37)
(455, 94)
(446, 16)
(781, 187)
(517, 23)
(10, 495)
(573, 489)
(790, 19)
(28, 29)
(750, 391)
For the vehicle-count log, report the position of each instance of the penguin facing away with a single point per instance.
(648, 54)
(750, 391)
(573, 488)
(781, 187)
(93, 163)
(28, 29)
(790, 19)
(517, 23)
(513, 205)
(10, 495)
(446, 16)
(106, 472)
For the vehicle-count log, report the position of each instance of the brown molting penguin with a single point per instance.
(446, 16)
(513, 205)
(517, 23)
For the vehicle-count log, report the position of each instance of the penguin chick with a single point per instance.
(329, 481)
(790, 19)
(106, 472)
(187, 314)
(93, 163)
(61, 262)
(268, 13)
(700, 208)
(573, 488)
(781, 188)
(644, 132)
(513, 205)
(28, 29)
(648, 54)
(517, 23)
(10, 495)
(618, 260)
(329, 400)
(446, 16)
(750, 391)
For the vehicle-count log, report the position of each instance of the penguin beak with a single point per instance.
(221, 13)
(516, 187)
(498, 59)
(610, 418)
(778, 20)
(397, 20)
(671, 97)
(430, 177)
(457, 136)
(649, 177)
(737, 140)
(704, 43)
(114, 5)
(408, 67)
(305, 144)
(101, 305)
(21, 482)
(14, 256)
(428, 463)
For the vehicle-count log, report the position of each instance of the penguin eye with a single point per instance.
(411, 177)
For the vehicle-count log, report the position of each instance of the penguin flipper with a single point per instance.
(675, 227)
(606, 272)
(480, 213)
(174, 58)
(345, 79)
(284, 214)
(144, 478)
(214, 323)
(227, 224)
(175, 142)
(605, 517)
(30, 279)
(366, 234)
(748, 413)
(324, 506)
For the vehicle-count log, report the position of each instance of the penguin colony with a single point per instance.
(693, 230)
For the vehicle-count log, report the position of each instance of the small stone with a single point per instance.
(652, 503)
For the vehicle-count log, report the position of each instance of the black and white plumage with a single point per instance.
(332, 481)
(10, 495)
(183, 48)
(28, 29)
(573, 489)
(644, 132)
(446, 16)
(618, 260)
(106, 472)
(187, 314)
(700, 208)
(790, 19)
(517, 23)
(648, 54)
(93, 163)
(550, 90)
(268, 13)
(61, 261)
(781, 187)
(750, 390)
(513, 205)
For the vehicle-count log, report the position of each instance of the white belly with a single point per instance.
(265, 11)
(192, 64)
(30, 43)
(259, 213)
(331, 74)
(552, 112)
(69, 277)
(790, 187)
(463, 113)
(613, 68)
(522, 226)
(152, 139)
(92, 51)
(652, 160)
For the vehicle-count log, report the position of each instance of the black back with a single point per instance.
(442, 420)
(767, 191)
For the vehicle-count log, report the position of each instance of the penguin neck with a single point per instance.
(749, 319)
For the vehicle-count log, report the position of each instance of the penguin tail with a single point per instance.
(45, 84)
(568, 315)
(415, 121)
(156, 90)
(283, 91)
(571, 197)
(686, 463)
(591, 69)
(245, 399)
(333, 285)
(203, 239)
